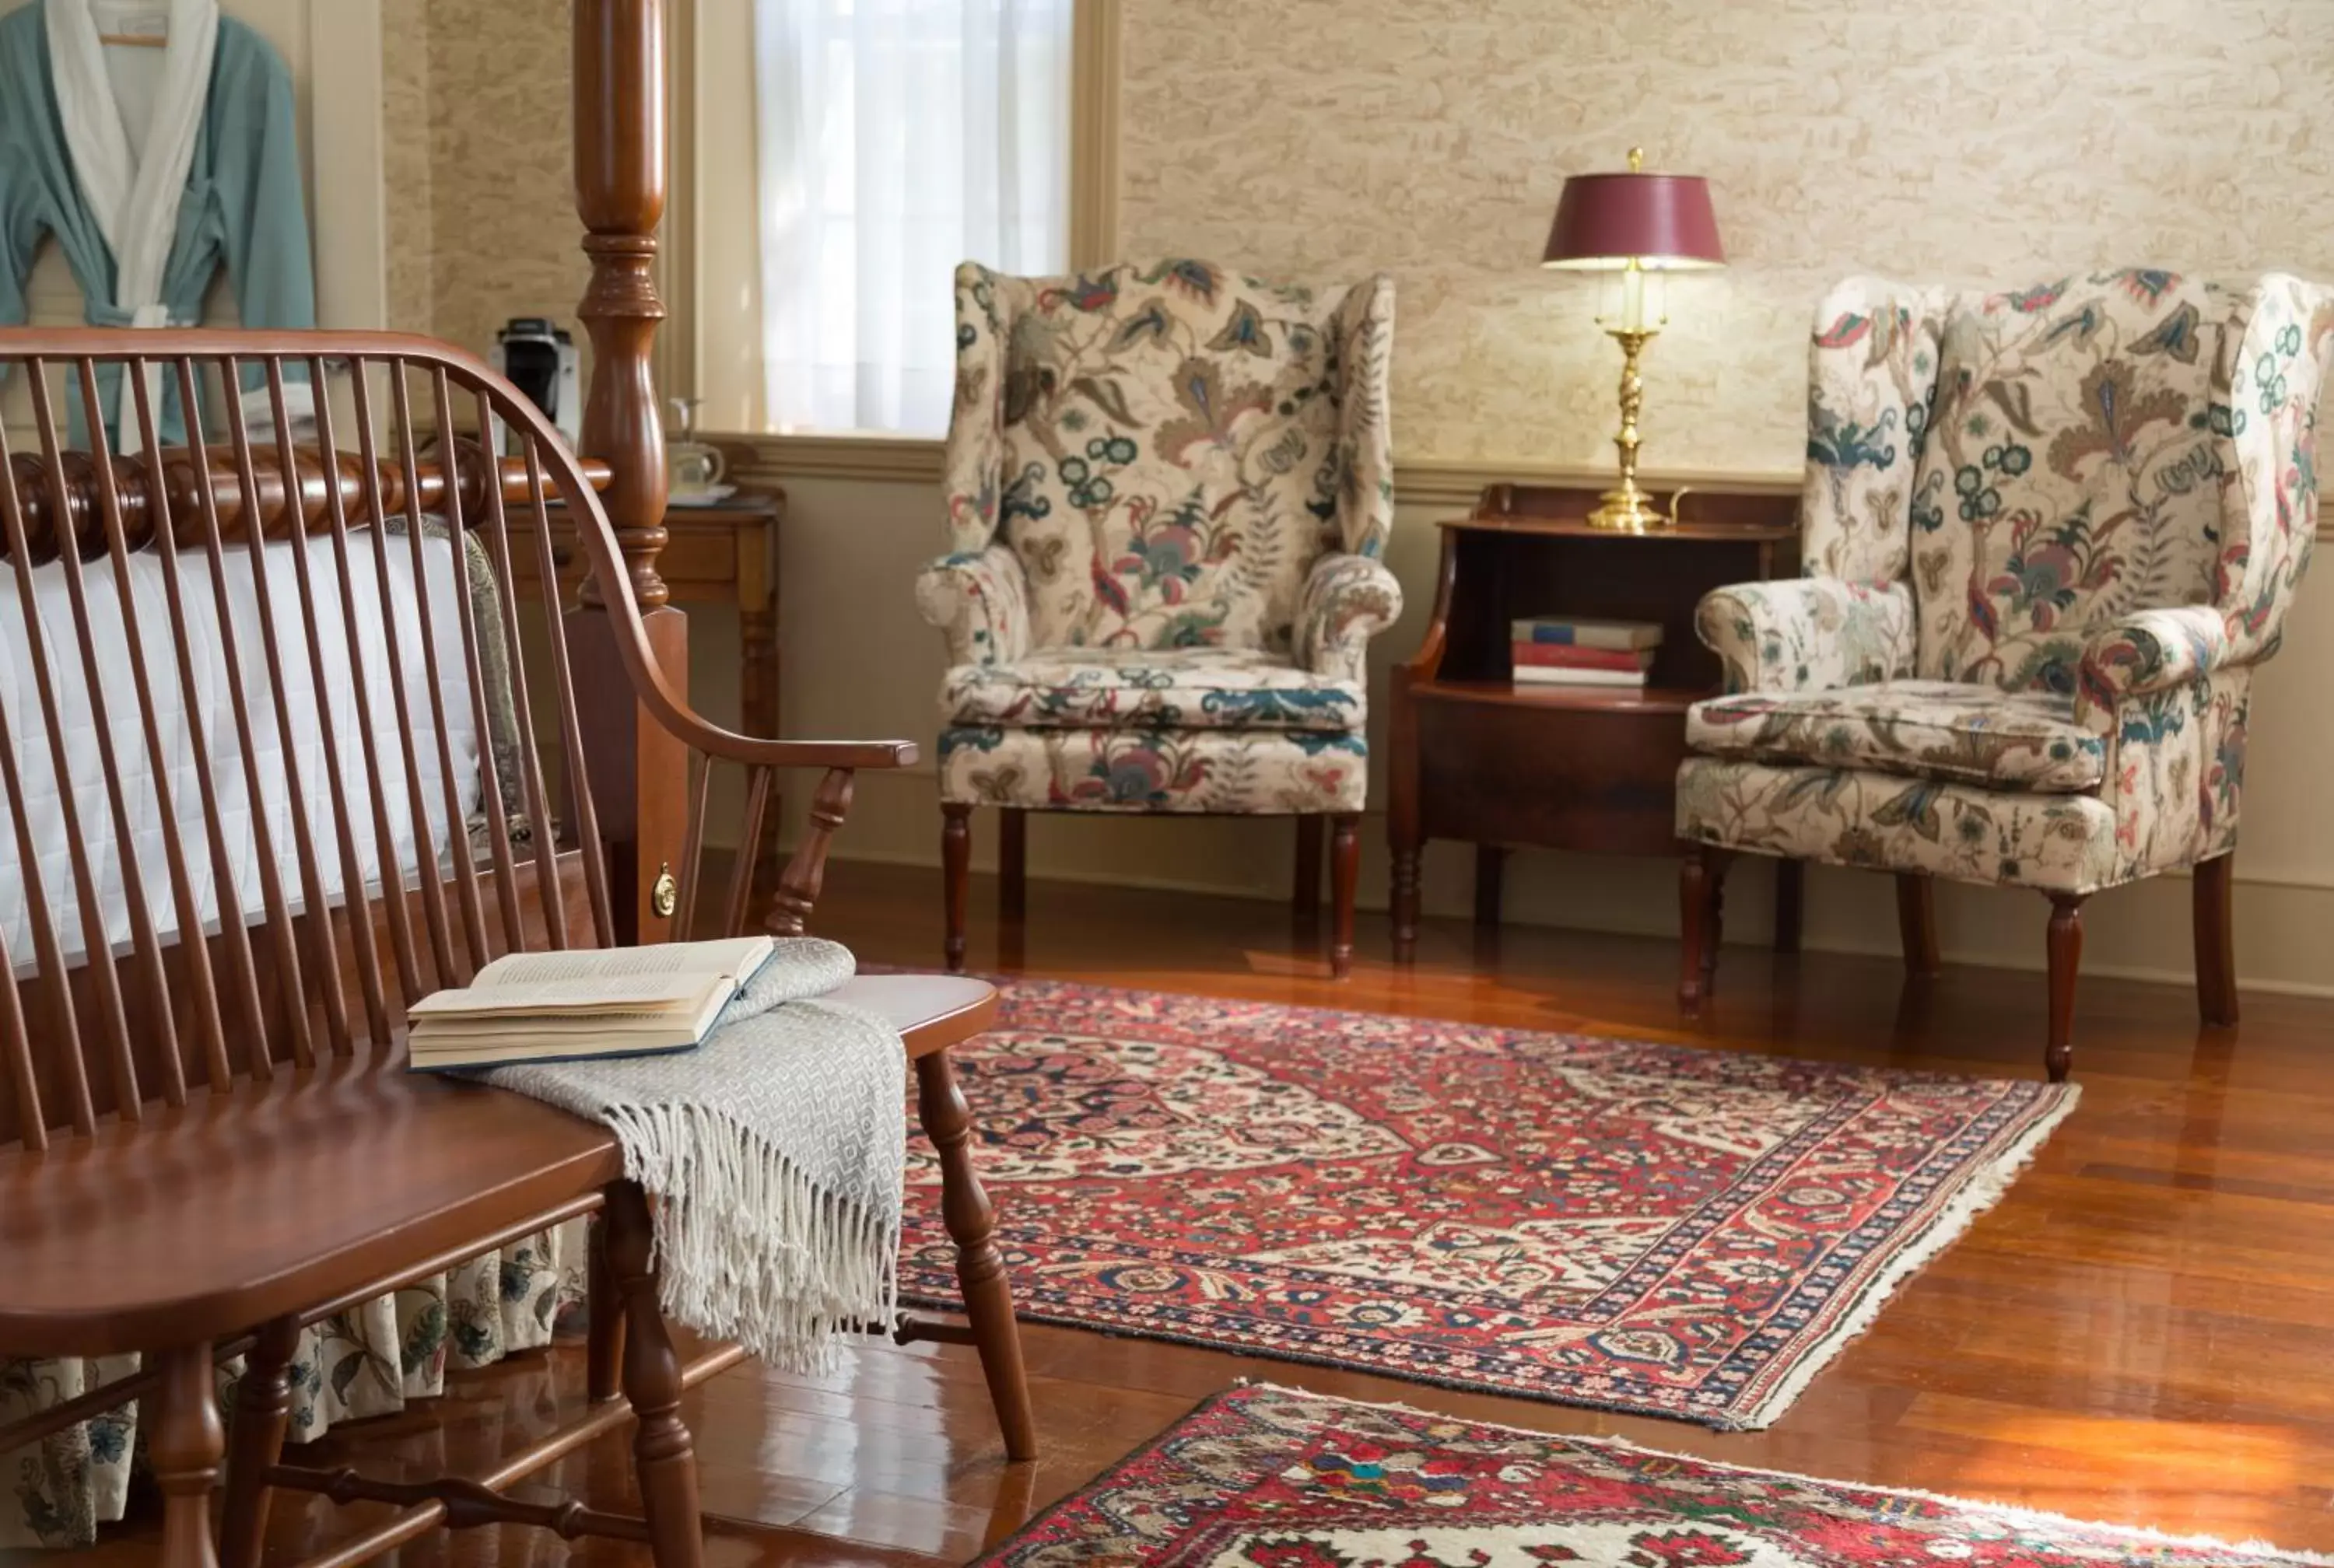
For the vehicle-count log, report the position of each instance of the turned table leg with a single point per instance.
(956, 864)
(1345, 880)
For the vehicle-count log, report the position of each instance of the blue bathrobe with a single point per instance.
(241, 209)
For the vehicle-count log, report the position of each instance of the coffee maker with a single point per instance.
(539, 359)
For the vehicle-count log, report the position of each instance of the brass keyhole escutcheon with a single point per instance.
(665, 896)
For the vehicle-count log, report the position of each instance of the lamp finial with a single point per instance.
(1636, 161)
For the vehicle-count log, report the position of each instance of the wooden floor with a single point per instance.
(2142, 1330)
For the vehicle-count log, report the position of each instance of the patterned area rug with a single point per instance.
(1264, 1477)
(1650, 1228)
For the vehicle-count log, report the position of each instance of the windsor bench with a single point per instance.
(210, 1136)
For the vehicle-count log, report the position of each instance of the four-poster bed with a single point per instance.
(305, 764)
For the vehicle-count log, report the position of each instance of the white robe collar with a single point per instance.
(133, 193)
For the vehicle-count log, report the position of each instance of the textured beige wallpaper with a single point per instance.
(1981, 140)
(501, 188)
(405, 110)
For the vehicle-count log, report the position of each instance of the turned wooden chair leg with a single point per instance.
(2066, 956)
(263, 1411)
(1916, 924)
(971, 1222)
(663, 1455)
(1345, 880)
(2216, 950)
(1702, 878)
(1012, 863)
(956, 864)
(185, 1445)
(1305, 886)
(603, 1318)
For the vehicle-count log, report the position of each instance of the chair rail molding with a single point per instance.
(876, 459)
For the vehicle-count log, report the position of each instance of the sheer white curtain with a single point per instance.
(898, 138)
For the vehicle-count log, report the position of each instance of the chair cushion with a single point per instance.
(1934, 729)
(1150, 689)
(1140, 772)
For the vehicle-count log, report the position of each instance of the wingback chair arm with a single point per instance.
(973, 468)
(2153, 650)
(980, 599)
(1363, 324)
(2266, 393)
(1347, 601)
(1808, 633)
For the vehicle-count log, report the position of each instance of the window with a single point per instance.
(897, 138)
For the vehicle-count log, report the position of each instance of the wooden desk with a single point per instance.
(1476, 757)
(724, 554)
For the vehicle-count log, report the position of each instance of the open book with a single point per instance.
(561, 1007)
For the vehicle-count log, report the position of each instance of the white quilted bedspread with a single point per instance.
(188, 749)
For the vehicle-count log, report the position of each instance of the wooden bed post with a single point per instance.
(641, 773)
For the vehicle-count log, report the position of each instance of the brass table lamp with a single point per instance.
(1633, 224)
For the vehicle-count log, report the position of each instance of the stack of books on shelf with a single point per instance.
(1564, 650)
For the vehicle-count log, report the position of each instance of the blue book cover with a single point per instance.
(1574, 633)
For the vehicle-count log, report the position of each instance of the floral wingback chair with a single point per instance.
(1168, 487)
(2050, 534)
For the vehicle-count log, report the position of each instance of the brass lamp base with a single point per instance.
(1628, 510)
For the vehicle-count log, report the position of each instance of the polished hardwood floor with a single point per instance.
(2141, 1332)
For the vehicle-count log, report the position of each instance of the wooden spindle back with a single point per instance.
(318, 758)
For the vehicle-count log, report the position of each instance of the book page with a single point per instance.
(597, 993)
(738, 957)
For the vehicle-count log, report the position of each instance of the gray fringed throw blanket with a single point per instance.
(774, 1152)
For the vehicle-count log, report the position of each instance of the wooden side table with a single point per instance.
(721, 555)
(1478, 758)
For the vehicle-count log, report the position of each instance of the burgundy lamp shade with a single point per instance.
(1664, 221)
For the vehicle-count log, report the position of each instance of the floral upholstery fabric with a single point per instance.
(1808, 633)
(2069, 477)
(1872, 378)
(364, 1363)
(980, 600)
(1882, 822)
(1242, 772)
(1347, 601)
(2173, 774)
(1168, 487)
(1918, 729)
(1168, 688)
(2106, 490)
(1168, 447)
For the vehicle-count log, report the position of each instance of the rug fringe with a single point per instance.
(1981, 1192)
(2010, 1512)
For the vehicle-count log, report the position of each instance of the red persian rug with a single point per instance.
(1650, 1228)
(1264, 1477)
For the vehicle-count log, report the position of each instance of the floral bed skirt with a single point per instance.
(365, 1362)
